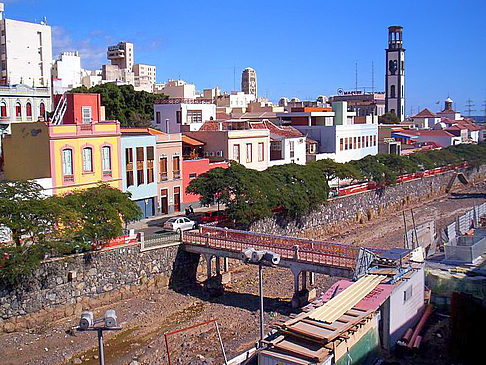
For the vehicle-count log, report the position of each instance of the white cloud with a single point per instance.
(92, 49)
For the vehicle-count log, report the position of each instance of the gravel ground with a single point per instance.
(147, 317)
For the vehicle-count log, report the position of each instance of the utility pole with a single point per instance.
(469, 107)
(484, 110)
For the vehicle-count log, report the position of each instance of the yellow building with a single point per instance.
(67, 156)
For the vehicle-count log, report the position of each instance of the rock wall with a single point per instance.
(68, 285)
(363, 206)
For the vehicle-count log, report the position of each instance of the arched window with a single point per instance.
(42, 110)
(28, 109)
(3, 109)
(106, 158)
(67, 163)
(18, 110)
(392, 91)
(88, 159)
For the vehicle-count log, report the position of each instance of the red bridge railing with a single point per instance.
(302, 250)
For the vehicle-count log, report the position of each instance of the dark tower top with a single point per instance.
(395, 37)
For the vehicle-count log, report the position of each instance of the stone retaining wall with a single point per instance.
(66, 286)
(363, 206)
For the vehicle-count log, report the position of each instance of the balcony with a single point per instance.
(176, 174)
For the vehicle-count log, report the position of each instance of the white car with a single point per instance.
(178, 224)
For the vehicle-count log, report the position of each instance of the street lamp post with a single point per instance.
(262, 258)
(108, 323)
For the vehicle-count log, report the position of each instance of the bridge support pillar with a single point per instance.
(218, 265)
(304, 280)
(209, 266)
(312, 278)
(225, 264)
(295, 297)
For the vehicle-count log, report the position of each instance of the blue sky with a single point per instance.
(298, 48)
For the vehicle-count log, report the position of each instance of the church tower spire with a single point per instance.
(395, 73)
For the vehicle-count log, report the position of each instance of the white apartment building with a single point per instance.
(337, 132)
(172, 114)
(25, 52)
(145, 76)
(121, 55)
(287, 144)
(66, 72)
(178, 89)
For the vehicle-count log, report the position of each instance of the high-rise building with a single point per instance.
(121, 55)
(66, 72)
(395, 73)
(25, 52)
(249, 81)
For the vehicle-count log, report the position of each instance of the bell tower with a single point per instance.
(395, 73)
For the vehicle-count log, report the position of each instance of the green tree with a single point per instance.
(332, 170)
(131, 108)
(388, 118)
(102, 211)
(398, 164)
(211, 186)
(373, 170)
(29, 214)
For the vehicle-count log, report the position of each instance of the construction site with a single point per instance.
(406, 287)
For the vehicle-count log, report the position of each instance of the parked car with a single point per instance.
(213, 216)
(178, 224)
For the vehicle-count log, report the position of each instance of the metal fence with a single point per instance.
(154, 241)
(466, 248)
(323, 253)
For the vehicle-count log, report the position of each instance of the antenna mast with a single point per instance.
(356, 75)
(372, 77)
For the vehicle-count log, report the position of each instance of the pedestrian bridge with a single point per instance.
(300, 255)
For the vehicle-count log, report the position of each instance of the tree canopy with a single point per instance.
(388, 118)
(131, 108)
(56, 225)
(251, 195)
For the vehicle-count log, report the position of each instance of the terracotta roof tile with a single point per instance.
(425, 113)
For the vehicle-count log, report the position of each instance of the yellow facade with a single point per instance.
(84, 180)
(34, 151)
(76, 138)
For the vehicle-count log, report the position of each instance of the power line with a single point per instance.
(469, 105)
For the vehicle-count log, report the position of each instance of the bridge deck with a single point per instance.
(289, 248)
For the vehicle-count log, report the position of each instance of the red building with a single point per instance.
(80, 108)
(193, 165)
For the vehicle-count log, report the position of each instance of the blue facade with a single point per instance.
(139, 170)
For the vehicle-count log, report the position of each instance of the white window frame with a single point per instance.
(86, 114)
(67, 169)
(87, 159)
(106, 160)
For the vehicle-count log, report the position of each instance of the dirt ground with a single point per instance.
(147, 317)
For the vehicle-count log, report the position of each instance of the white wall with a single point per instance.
(28, 53)
(299, 152)
(329, 140)
(168, 112)
(240, 99)
(68, 70)
(403, 314)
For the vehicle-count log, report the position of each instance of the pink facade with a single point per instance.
(192, 169)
